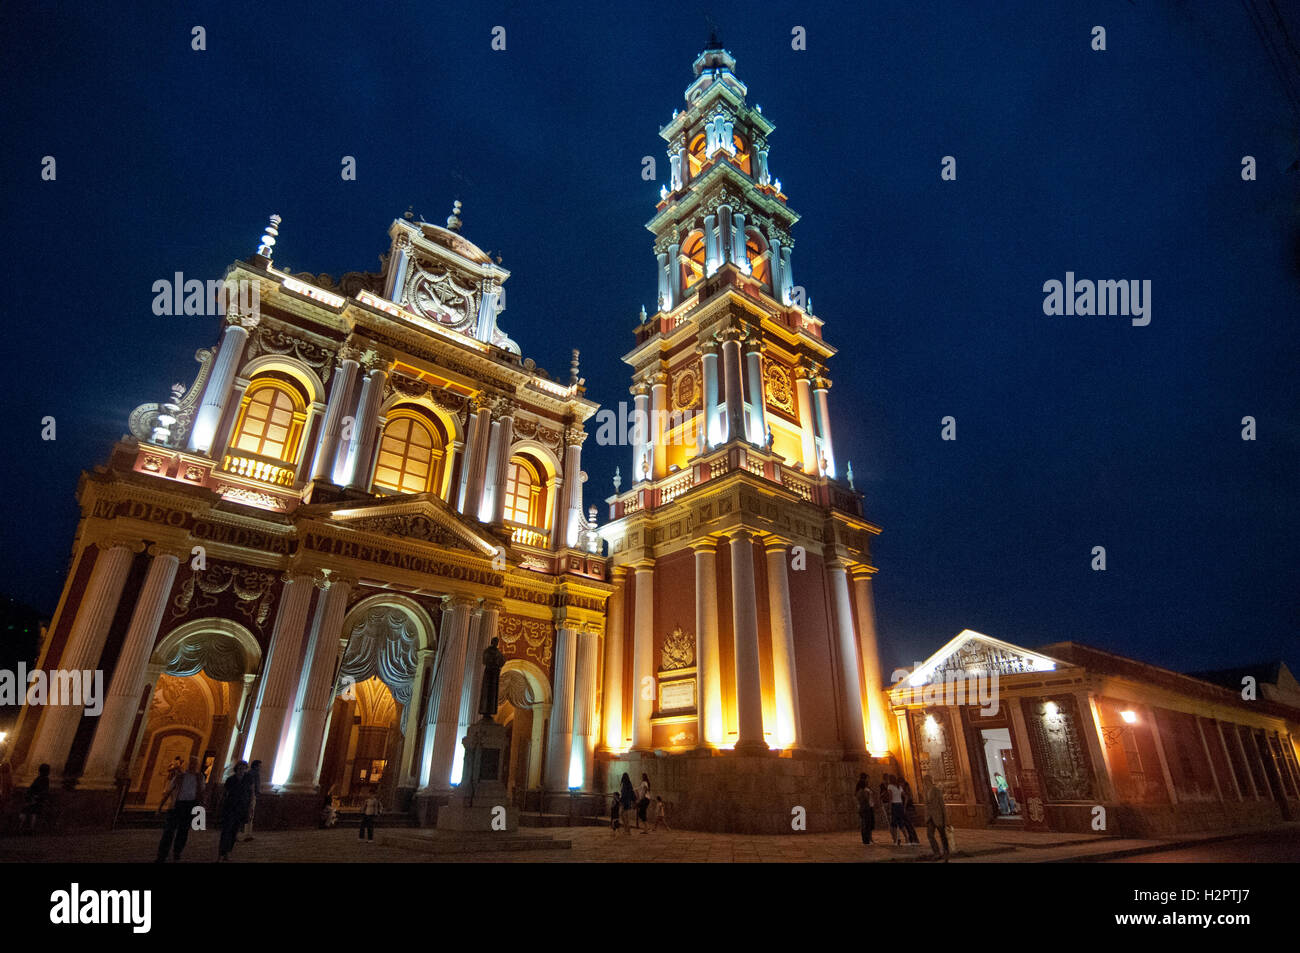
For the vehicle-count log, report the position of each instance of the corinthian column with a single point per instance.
(877, 739)
(116, 719)
(316, 687)
(850, 681)
(744, 614)
(643, 638)
(642, 465)
(559, 747)
(58, 724)
(788, 730)
(712, 426)
(217, 390)
(345, 377)
(803, 388)
(658, 429)
(365, 430)
(731, 374)
(440, 738)
(280, 672)
(584, 705)
(753, 365)
(573, 521)
(612, 700)
(708, 656)
(820, 386)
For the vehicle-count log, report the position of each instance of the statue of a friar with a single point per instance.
(493, 659)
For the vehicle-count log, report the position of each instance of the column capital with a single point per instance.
(326, 579)
(459, 600)
(659, 379)
(775, 544)
(708, 347)
(243, 321)
(740, 535)
(349, 351)
(124, 541)
(731, 334)
(574, 436)
(708, 544)
(862, 573)
(491, 605)
(176, 550)
(643, 565)
(639, 389)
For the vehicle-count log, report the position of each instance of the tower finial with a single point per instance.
(268, 238)
(573, 368)
(453, 220)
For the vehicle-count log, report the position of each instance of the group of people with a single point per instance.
(895, 801)
(633, 804)
(187, 790)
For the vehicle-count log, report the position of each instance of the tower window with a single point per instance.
(693, 253)
(270, 422)
(410, 454)
(756, 251)
(740, 155)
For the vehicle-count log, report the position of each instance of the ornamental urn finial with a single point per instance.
(453, 220)
(269, 236)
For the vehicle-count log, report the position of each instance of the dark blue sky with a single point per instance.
(1072, 431)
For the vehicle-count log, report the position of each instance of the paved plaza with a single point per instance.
(586, 845)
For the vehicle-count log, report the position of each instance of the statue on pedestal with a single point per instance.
(493, 659)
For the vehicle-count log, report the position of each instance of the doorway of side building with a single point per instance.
(364, 745)
(1002, 772)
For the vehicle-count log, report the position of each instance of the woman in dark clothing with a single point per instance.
(627, 798)
(866, 809)
(234, 809)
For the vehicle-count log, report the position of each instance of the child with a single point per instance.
(613, 814)
(661, 814)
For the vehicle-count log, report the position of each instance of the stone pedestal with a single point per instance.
(480, 802)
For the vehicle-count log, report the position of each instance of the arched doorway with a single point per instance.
(372, 733)
(524, 708)
(194, 706)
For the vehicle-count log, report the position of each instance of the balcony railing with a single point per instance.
(525, 535)
(261, 469)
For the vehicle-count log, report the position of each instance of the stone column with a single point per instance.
(787, 276)
(217, 390)
(675, 170)
(711, 256)
(584, 704)
(482, 629)
(757, 412)
(803, 390)
(763, 178)
(280, 671)
(396, 281)
(345, 376)
(774, 250)
(412, 717)
(487, 503)
(58, 725)
(850, 678)
(820, 386)
(877, 740)
(559, 745)
(712, 426)
(724, 236)
(744, 615)
(241, 723)
(467, 461)
(478, 462)
(613, 688)
(731, 371)
(642, 464)
(573, 520)
(788, 730)
(708, 657)
(643, 648)
(316, 686)
(557, 501)
(659, 424)
(365, 430)
(440, 738)
(739, 255)
(662, 258)
(675, 275)
(128, 682)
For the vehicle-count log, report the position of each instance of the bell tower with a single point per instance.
(737, 538)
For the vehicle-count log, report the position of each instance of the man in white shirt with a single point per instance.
(186, 789)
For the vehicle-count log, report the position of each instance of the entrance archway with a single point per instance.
(371, 736)
(524, 708)
(196, 703)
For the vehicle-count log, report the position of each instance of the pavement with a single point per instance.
(589, 845)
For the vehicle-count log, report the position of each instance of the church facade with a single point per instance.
(301, 558)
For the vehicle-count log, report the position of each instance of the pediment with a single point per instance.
(423, 517)
(973, 654)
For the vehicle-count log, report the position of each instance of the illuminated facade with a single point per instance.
(1071, 738)
(301, 558)
(741, 630)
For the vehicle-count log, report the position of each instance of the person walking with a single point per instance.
(887, 807)
(910, 813)
(370, 812)
(255, 788)
(898, 808)
(643, 804)
(866, 807)
(234, 809)
(185, 792)
(36, 800)
(661, 814)
(936, 815)
(613, 813)
(627, 801)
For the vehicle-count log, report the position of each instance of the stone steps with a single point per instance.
(469, 842)
(536, 819)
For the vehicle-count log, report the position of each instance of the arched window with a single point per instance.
(693, 251)
(270, 421)
(740, 156)
(410, 455)
(523, 492)
(756, 251)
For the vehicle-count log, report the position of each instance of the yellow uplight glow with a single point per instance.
(1130, 717)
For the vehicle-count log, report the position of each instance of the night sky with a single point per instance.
(1072, 431)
